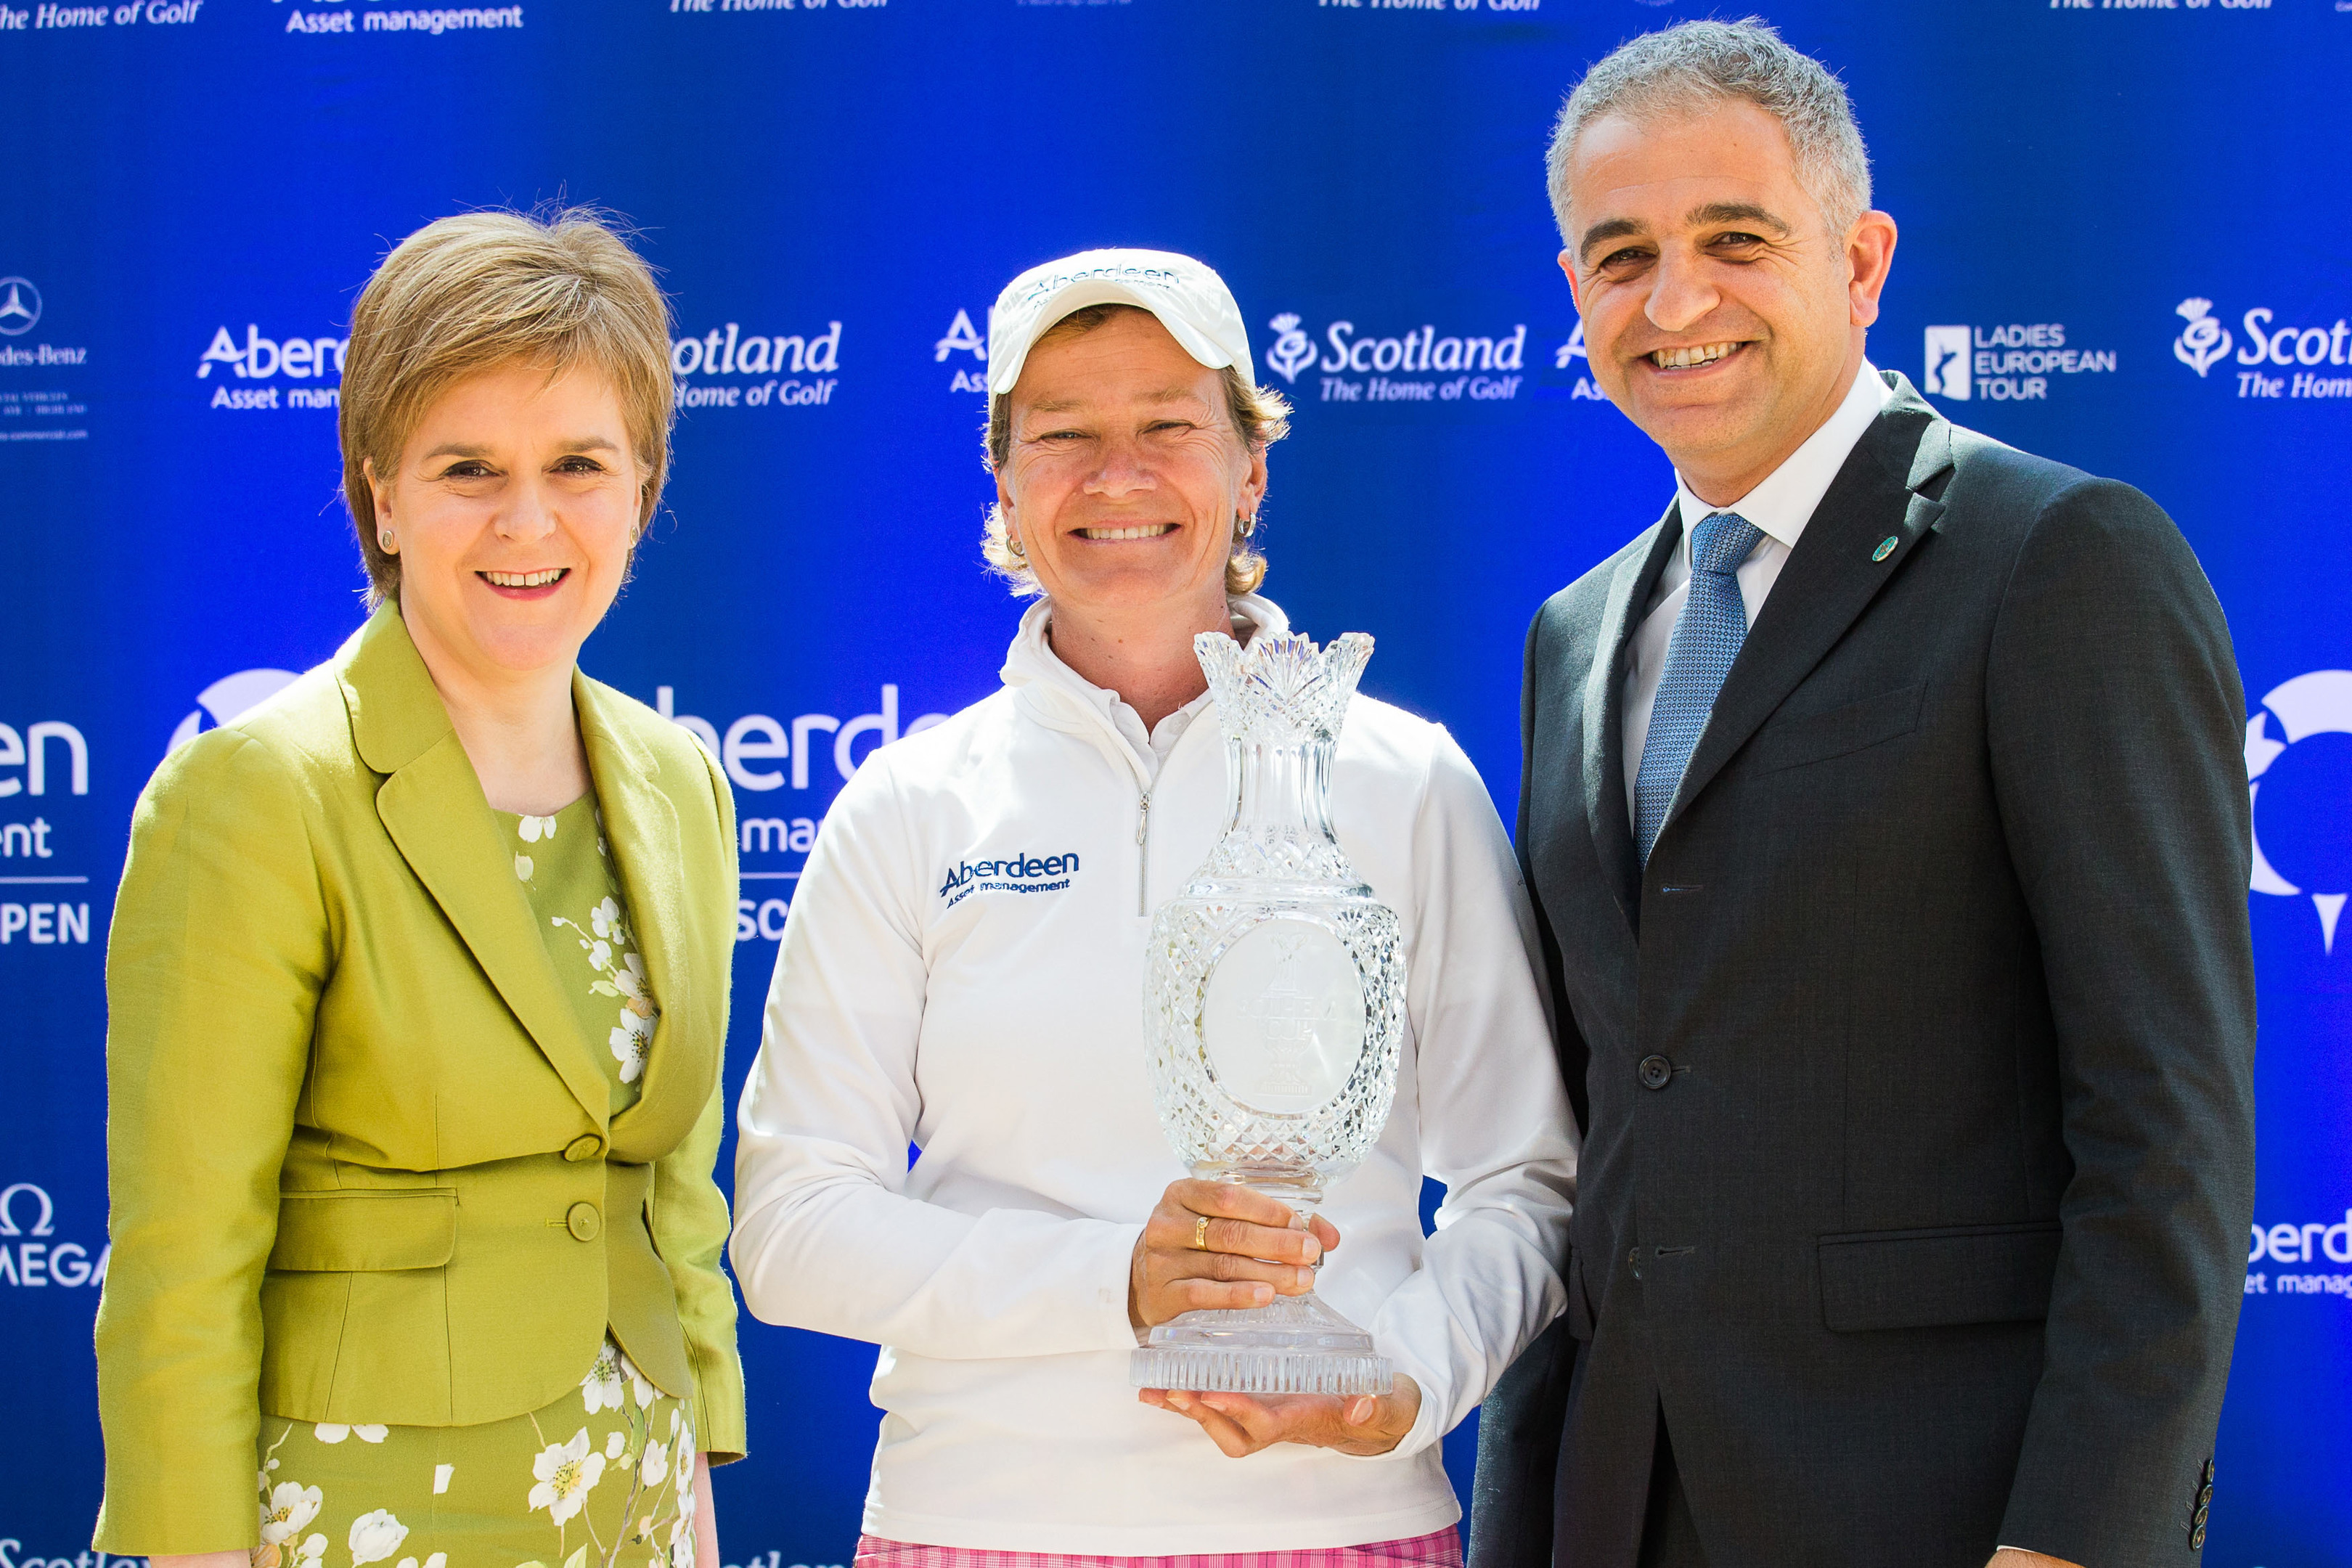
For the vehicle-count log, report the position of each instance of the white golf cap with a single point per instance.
(1190, 300)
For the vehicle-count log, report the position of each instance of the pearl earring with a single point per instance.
(384, 539)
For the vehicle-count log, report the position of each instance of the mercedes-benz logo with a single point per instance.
(20, 306)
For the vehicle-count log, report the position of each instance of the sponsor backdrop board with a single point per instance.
(2121, 247)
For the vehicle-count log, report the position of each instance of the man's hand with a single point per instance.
(1242, 1424)
(2010, 1557)
(1249, 1250)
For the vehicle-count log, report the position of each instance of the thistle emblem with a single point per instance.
(1291, 352)
(2205, 339)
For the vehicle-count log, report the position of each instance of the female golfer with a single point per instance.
(994, 1021)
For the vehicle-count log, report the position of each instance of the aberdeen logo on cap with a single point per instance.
(1054, 282)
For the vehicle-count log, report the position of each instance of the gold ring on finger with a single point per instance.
(1201, 1233)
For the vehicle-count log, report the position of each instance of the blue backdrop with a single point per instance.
(2125, 244)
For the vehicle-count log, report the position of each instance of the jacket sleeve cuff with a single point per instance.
(1120, 1331)
(198, 1502)
(720, 1424)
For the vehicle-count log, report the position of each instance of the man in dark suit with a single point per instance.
(1885, 818)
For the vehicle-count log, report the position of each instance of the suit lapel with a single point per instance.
(1863, 531)
(641, 828)
(1636, 578)
(433, 808)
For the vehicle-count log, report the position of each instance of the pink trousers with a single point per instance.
(1442, 1549)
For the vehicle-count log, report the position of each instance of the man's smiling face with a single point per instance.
(1721, 311)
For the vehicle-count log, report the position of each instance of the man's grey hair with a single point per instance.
(1698, 65)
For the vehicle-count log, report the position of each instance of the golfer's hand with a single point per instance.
(1251, 1251)
(1242, 1424)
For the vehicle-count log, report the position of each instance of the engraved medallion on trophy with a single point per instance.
(1273, 1011)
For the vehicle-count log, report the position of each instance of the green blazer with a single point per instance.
(362, 1167)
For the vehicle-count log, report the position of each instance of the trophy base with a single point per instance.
(1294, 1344)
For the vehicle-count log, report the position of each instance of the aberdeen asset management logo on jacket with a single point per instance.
(1022, 872)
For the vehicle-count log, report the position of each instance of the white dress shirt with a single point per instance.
(1780, 505)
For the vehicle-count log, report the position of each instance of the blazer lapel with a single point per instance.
(1863, 531)
(433, 808)
(1604, 712)
(641, 829)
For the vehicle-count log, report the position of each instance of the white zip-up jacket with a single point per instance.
(962, 970)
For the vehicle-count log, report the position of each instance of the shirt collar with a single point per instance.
(1038, 674)
(1783, 502)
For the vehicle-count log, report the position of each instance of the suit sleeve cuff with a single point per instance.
(181, 1508)
(719, 1413)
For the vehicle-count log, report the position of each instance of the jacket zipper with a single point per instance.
(1143, 855)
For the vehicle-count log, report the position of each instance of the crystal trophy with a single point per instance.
(1274, 1008)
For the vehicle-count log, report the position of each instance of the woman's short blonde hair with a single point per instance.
(1260, 415)
(466, 294)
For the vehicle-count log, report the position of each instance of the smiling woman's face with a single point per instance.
(513, 510)
(1126, 471)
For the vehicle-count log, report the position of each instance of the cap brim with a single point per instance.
(1104, 291)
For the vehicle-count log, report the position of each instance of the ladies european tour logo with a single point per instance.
(1947, 362)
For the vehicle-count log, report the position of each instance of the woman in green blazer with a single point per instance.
(417, 987)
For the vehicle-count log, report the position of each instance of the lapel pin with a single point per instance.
(1885, 548)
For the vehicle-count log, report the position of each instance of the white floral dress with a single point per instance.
(601, 1479)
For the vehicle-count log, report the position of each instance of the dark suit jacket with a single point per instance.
(1919, 1154)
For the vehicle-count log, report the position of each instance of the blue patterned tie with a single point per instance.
(1698, 655)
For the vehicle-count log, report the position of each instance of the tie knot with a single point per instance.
(1721, 541)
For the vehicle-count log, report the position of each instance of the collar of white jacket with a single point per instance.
(1059, 698)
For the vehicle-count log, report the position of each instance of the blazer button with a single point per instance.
(1656, 1072)
(1633, 1262)
(583, 1148)
(2197, 1538)
(584, 1222)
